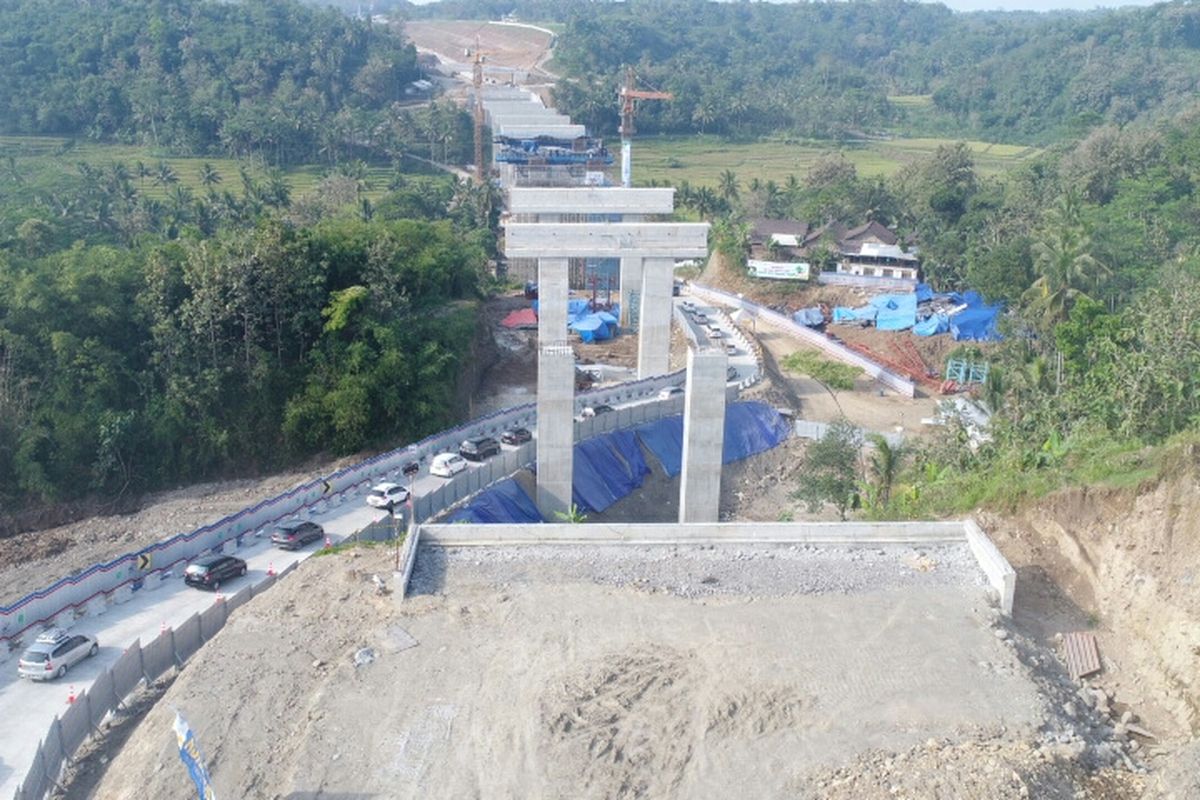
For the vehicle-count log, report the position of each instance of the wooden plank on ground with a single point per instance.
(1083, 656)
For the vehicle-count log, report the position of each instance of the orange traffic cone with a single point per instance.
(271, 570)
(71, 695)
(328, 543)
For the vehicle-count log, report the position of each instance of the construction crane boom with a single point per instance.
(628, 97)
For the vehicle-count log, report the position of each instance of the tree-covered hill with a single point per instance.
(829, 69)
(273, 77)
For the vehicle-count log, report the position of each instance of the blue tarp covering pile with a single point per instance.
(504, 502)
(664, 438)
(750, 428)
(607, 468)
(924, 292)
(809, 317)
(932, 325)
(977, 323)
(895, 312)
(864, 314)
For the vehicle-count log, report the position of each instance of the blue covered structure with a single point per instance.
(506, 502)
(750, 428)
(607, 468)
(895, 312)
(977, 322)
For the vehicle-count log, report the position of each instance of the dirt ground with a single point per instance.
(472, 689)
(513, 46)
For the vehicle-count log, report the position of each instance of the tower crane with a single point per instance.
(477, 80)
(628, 95)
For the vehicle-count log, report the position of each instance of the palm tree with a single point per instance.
(727, 185)
(142, 172)
(884, 464)
(209, 177)
(1066, 270)
(165, 175)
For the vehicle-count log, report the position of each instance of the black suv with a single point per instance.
(294, 534)
(211, 571)
(479, 448)
(516, 436)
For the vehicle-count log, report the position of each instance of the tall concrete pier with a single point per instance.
(656, 246)
(703, 436)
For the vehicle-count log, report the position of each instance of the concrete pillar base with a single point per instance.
(703, 436)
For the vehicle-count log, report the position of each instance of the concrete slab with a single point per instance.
(607, 240)
(590, 200)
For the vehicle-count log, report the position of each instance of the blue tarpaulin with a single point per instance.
(809, 317)
(601, 477)
(751, 428)
(627, 447)
(977, 322)
(664, 438)
(504, 502)
(932, 325)
(895, 312)
(924, 292)
(592, 328)
(843, 314)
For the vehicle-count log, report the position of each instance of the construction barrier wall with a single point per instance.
(137, 665)
(818, 340)
(93, 584)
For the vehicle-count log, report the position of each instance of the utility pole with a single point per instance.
(627, 97)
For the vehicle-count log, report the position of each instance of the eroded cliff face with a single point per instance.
(1125, 563)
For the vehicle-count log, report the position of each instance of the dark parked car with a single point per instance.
(295, 533)
(479, 448)
(596, 410)
(210, 572)
(516, 436)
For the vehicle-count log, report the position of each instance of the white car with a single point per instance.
(730, 349)
(714, 333)
(447, 465)
(387, 495)
(669, 392)
(53, 653)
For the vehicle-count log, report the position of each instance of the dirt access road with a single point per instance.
(520, 47)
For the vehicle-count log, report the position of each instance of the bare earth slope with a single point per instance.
(522, 676)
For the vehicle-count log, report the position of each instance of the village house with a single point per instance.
(782, 248)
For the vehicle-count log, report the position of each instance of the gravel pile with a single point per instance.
(703, 570)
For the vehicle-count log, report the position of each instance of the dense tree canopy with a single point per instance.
(273, 77)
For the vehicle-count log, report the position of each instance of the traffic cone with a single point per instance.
(271, 570)
(328, 543)
(71, 695)
(220, 597)
(162, 628)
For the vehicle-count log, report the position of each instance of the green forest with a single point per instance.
(863, 68)
(278, 79)
(157, 328)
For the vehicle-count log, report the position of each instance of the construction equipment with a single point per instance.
(628, 97)
(477, 80)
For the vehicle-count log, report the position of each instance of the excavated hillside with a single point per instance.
(1124, 563)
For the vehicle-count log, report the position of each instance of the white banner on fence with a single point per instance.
(779, 270)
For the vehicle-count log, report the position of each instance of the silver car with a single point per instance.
(53, 653)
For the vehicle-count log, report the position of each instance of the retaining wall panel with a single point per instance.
(100, 698)
(263, 585)
(188, 639)
(127, 671)
(212, 619)
(53, 753)
(74, 725)
(159, 655)
(36, 783)
(238, 599)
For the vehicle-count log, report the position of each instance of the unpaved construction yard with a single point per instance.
(601, 671)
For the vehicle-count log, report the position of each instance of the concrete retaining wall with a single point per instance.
(1000, 573)
(992, 563)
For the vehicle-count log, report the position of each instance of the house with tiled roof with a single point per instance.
(871, 251)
